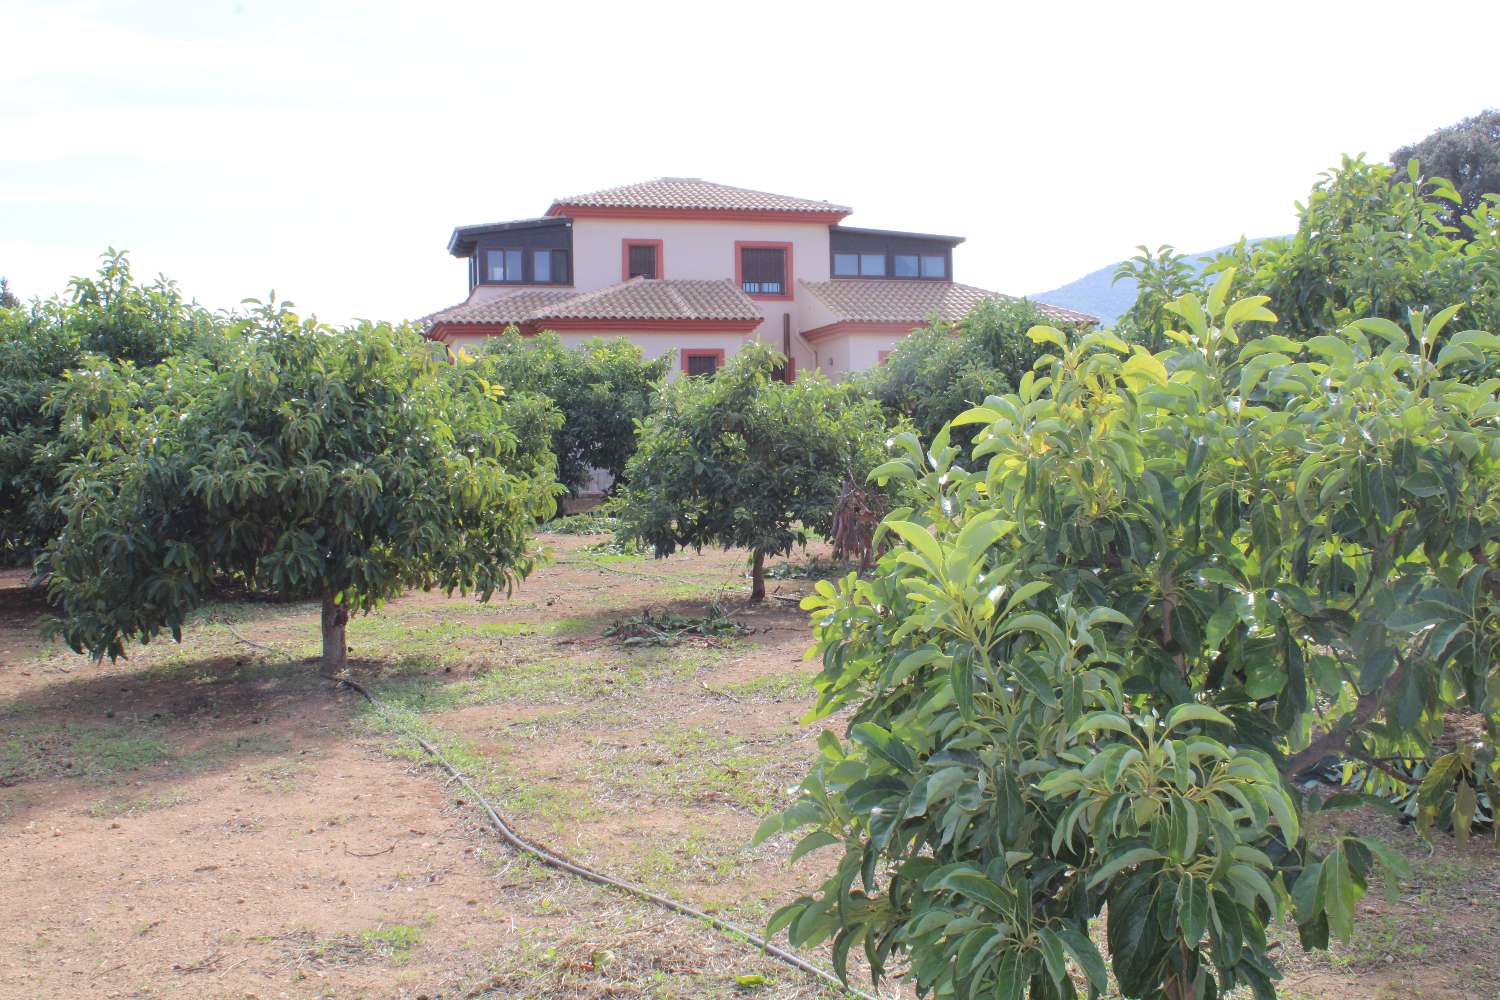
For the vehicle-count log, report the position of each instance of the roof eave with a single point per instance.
(460, 244)
(950, 240)
(814, 218)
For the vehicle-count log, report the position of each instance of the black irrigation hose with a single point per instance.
(546, 857)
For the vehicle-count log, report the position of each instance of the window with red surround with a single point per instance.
(702, 361)
(764, 270)
(641, 259)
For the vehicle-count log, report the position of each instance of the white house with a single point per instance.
(682, 264)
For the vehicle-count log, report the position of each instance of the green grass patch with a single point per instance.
(691, 765)
(36, 751)
(793, 685)
(117, 806)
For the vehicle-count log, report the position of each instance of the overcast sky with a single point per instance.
(326, 148)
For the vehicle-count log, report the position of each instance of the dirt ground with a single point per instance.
(214, 819)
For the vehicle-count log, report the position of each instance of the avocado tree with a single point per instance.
(1468, 153)
(937, 372)
(742, 460)
(602, 388)
(1106, 641)
(338, 465)
(108, 315)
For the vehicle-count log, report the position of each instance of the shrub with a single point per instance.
(939, 371)
(1081, 680)
(743, 460)
(343, 466)
(602, 388)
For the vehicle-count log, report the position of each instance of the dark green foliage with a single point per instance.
(8, 298)
(1374, 242)
(939, 371)
(1371, 241)
(602, 388)
(1467, 153)
(343, 466)
(743, 460)
(1157, 587)
(107, 317)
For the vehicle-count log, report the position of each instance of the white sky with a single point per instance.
(326, 148)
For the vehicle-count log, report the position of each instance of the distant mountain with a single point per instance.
(1097, 294)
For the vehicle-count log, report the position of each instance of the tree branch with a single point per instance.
(1336, 741)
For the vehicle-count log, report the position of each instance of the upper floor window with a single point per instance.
(642, 259)
(859, 265)
(880, 253)
(504, 265)
(765, 269)
(515, 266)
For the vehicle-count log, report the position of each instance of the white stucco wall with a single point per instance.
(848, 352)
(705, 250)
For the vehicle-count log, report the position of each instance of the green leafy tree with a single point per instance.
(743, 460)
(1375, 242)
(937, 372)
(343, 466)
(109, 316)
(8, 298)
(1103, 643)
(602, 388)
(1161, 278)
(1467, 153)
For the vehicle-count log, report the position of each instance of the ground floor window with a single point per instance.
(700, 362)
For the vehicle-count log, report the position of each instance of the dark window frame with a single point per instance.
(787, 273)
(690, 354)
(628, 245)
(888, 246)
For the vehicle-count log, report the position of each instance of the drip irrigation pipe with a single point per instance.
(557, 861)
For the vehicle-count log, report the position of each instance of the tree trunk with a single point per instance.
(757, 577)
(335, 649)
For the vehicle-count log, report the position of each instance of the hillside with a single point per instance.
(1097, 294)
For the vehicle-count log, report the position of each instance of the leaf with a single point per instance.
(1052, 955)
(1193, 712)
(1142, 369)
(1394, 868)
(1118, 863)
(1096, 721)
(920, 539)
(1047, 335)
(813, 841)
(1087, 956)
(751, 979)
(1338, 894)
(1192, 909)
(770, 827)
(972, 885)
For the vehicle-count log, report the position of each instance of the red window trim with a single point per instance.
(661, 259)
(755, 245)
(717, 353)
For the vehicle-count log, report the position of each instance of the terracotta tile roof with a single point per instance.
(667, 298)
(638, 298)
(515, 305)
(899, 300)
(692, 193)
